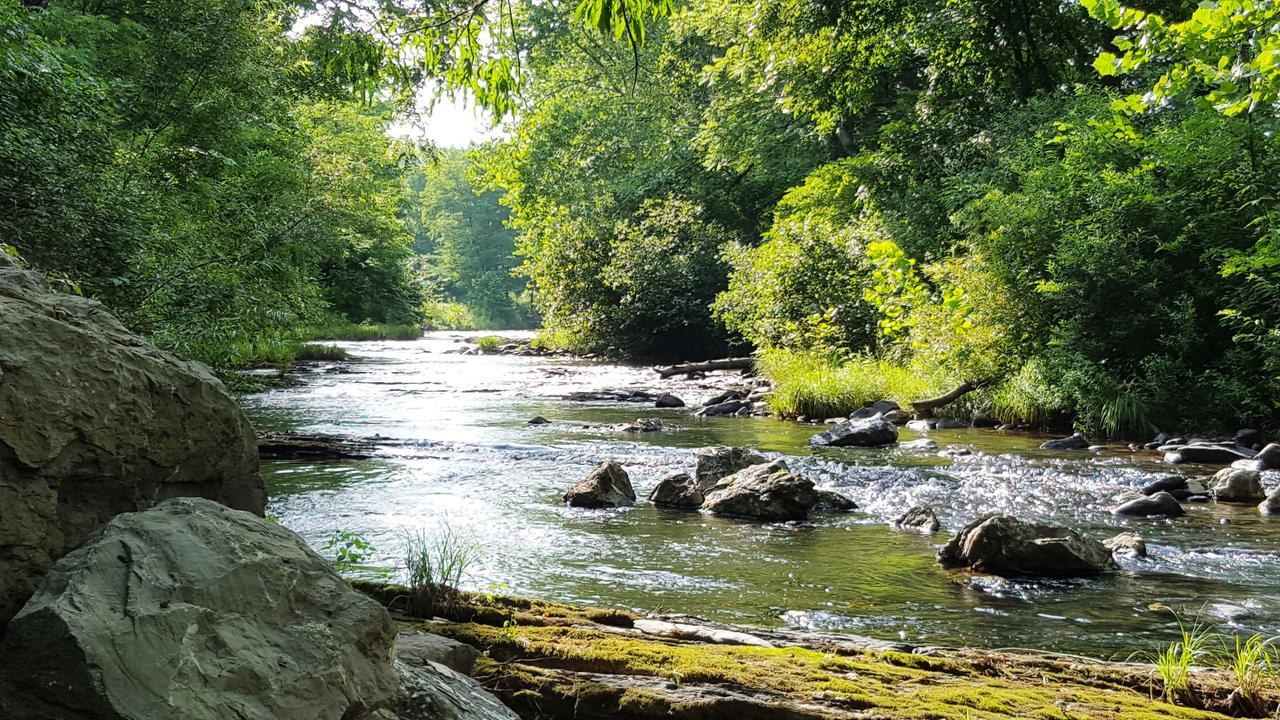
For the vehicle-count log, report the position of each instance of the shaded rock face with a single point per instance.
(1004, 545)
(920, 519)
(1237, 486)
(95, 422)
(667, 400)
(1269, 457)
(607, 486)
(870, 432)
(1271, 506)
(830, 501)
(713, 464)
(882, 407)
(767, 492)
(678, 491)
(435, 692)
(1207, 454)
(417, 648)
(1161, 504)
(193, 610)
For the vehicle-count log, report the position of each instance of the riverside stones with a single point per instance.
(768, 492)
(1075, 442)
(94, 421)
(1128, 544)
(196, 611)
(869, 432)
(607, 486)
(1001, 544)
(1271, 506)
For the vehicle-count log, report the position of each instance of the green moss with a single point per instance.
(886, 685)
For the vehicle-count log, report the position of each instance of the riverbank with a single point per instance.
(548, 660)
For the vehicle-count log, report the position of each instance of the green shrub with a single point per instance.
(354, 332)
(445, 315)
(488, 343)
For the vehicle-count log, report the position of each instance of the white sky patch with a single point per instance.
(452, 123)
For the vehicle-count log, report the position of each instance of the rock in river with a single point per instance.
(1160, 504)
(1208, 454)
(1127, 543)
(667, 400)
(678, 491)
(1271, 506)
(830, 501)
(1004, 545)
(192, 610)
(712, 464)
(94, 421)
(869, 432)
(1237, 486)
(763, 492)
(920, 518)
(607, 486)
(1269, 457)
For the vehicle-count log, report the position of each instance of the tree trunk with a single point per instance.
(924, 408)
(742, 363)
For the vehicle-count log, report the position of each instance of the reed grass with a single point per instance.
(435, 564)
(810, 385)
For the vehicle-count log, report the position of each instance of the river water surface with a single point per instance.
(477, 465)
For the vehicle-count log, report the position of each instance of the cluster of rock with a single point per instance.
(1163, 497)
(138, 580)
(733, 482)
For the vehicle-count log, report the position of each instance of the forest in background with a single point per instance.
(1071, 206)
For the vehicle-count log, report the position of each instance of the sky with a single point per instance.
(449, 124)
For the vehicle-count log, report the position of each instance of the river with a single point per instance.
(479, 467)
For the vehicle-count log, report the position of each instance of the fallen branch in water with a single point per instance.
(740, 363)
(924, 408)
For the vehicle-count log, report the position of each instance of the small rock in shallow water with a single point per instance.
(920, 518)
(1161, 504)
(667, 400)
(1004, 545)
(1127, 543)
(539, 420)
(717, 462)
(607, 486)
(677, 491)
(768, 492)
(830, 501)
(921, 445)
(871, 432)
(1237, 486)
(1271, 506)
(1168, 483)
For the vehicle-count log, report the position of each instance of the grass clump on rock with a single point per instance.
(435, 564)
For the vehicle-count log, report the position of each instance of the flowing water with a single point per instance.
(477, 465)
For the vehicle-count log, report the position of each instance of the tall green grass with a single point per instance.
(275, 352)
(810, 385)
(488, 343)
(354, 332)
(435, 564)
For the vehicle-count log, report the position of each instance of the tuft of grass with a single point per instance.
(1253, 662)
(1173, 663)
(1124, 412)
(1026, 397)
(810, 385)
(316, 351)
(435, 564)
(488, 343)
(354, 332)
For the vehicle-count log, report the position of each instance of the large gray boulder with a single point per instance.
(767, 492)
(868, 432)
(1004, 545)
(95, 422)
(607, 486)
(1237, 486)
(192, 610)
(713, 464)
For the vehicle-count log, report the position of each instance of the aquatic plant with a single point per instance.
(316, 351)
(434, 564)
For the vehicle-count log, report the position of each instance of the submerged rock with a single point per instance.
(921, 445)
(713, 464)
(678, 491)
(920, 518)
(1127, 543)
(763, 492)
(607, 486)
(1075, 442)
(1160, 504)
(869, 432)
(192, 610)
(539, 420)
(1237, 486)
(94, 422)
(1004, 545)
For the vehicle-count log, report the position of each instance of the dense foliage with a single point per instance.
(1075, 212)
(1072, 206)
